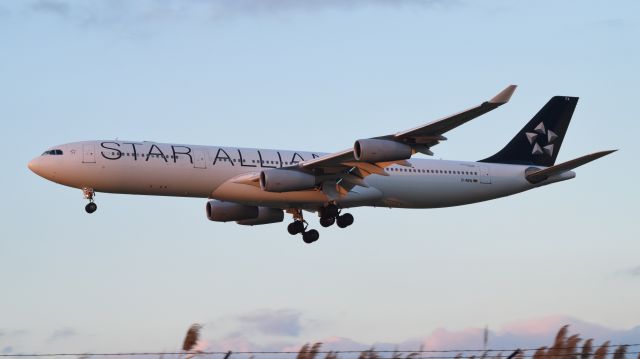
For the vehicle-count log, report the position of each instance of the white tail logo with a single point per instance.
(541, 136)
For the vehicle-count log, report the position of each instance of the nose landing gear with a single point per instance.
(91, 207)
(89, 193)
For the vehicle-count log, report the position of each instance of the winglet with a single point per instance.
(504, 95)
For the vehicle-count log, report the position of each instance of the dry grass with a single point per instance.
(192, 337)
(563, 347)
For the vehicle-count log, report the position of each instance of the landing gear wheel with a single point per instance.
(327, 221)
(344, 220)
(310, 236)
(331, 210)
(91, 207)
(295, 227)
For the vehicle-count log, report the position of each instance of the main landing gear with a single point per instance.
(299, 225)
(331, 214)
(328, 216)
(89, 193)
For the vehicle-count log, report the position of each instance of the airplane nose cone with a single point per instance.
(34, 166)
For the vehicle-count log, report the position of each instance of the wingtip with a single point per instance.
(504, 95)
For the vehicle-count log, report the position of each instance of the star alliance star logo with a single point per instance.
(541, 134)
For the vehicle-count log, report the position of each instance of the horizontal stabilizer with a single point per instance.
(541, 175)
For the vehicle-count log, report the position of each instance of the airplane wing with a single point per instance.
(347, 171)
(420, 138)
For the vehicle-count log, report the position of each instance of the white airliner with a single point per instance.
(256, 186)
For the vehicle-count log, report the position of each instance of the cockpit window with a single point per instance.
(52, 153)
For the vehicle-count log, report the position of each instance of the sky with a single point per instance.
(315, 75)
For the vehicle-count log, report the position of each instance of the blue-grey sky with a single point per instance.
(313, 75)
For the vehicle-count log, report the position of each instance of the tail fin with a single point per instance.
(538, 143)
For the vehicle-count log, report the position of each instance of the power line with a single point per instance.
(254, 353)
(459, 351)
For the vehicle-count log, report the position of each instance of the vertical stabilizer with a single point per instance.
(538, 143)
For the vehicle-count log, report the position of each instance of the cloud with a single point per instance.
(55, 7)
(284, 322)
(628, 272)
(635, 271)
(531, 333)
(13, 333)
(103, 12)
(62, 333)
(272, 6)
(11, 339)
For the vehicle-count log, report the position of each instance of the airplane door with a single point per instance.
(484, 175)
(199, 159)
(88, 153)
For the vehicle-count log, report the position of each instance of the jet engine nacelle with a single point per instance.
(266, 215)
(281, 180)
(220, 211)
(375, 150)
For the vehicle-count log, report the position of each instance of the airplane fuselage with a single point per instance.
(162, 169)
(252, 186)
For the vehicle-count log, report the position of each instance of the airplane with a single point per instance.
(257, 186)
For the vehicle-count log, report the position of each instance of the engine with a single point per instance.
(219, 211)
(266, 215)
(375, 150)
(278, 180)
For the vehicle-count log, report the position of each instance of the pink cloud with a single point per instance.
(531, 333)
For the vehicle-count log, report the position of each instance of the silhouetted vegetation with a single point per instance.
(564, 346)
(192, 337)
